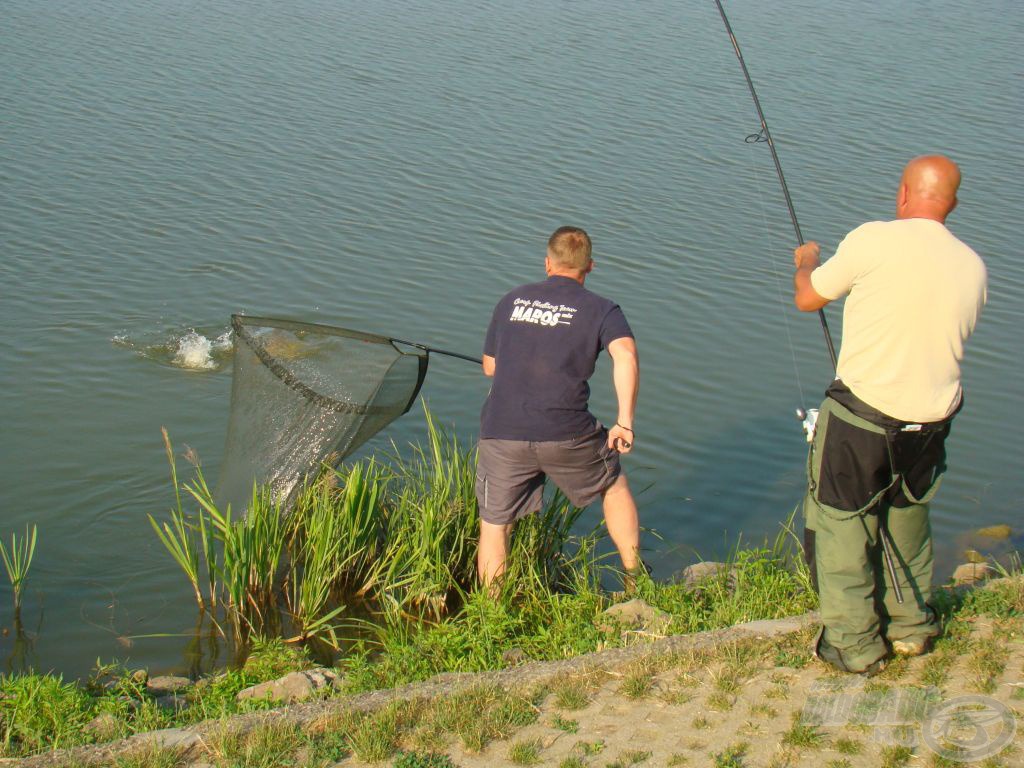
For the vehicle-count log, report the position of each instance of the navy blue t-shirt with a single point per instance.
(545, 339)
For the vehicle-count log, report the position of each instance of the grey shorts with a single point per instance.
(510, 474)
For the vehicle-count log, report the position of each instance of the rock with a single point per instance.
(181, 739)
(772, 627)
(513, 657)
(974, 556)
(175, 702)
(164, 684)
(972, 573)
(295, 686)
(694, 575)
(1001, 532)
(103, 727)
(139, 677)
(634, 615)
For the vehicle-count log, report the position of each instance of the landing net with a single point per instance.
(303, 394)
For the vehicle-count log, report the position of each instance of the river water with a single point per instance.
(395, 167)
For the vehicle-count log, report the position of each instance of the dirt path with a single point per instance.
(744, 705)
(750, 696)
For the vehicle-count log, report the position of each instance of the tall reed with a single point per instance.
(318, 560)
(402, 535)
(431, 528)
(360, 506)
(18, 560)
(251, 555)
(177, 536)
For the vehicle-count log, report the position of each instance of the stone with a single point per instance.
(140, 677)
(295, 686)
(772, 627)
(170, 738)
(164, 684)
(513, 657)
(103, 727)
(974, 556)
(634, 615)
(175, 702)
(694, 575)
(972, 573)
(1001, 532)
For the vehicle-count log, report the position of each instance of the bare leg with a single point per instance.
(623, 521)
(490, 560)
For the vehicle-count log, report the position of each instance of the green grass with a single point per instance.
(637, 684)
(987, 663)
(422, 760)
(563, 724)
(847, 746)
(732, 756)
(805, 736)
(630, 758)
(41, 712)
(570, 695)
(896, 756)
(525, 752)
(588, 748)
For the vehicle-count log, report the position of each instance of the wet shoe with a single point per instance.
(911, 647)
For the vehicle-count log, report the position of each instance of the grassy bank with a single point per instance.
(42, 712)
(395, 538)
(420, 733)
(392, 540)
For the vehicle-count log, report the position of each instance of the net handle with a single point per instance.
(436, 351)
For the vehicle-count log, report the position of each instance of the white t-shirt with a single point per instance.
(915, 294)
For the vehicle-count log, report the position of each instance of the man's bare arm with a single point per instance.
(807, 258)
(488, 365)
(626, 377)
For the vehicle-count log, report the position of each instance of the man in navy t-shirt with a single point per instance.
(541, 347)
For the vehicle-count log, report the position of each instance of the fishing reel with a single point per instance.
(809, 420)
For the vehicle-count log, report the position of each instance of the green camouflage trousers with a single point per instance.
(861, 476)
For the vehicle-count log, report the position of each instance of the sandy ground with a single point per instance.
(693, 715)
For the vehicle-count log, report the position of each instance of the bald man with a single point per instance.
(913, 295)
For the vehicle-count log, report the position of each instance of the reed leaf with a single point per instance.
(18, 560)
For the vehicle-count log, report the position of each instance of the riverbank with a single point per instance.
(525, 624)
(749, 695)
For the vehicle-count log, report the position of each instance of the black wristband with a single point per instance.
(625, 428)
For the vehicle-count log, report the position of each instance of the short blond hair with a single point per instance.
(570, 248)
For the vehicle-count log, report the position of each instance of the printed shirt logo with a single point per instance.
(541, 312)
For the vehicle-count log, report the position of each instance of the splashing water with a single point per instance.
(194, 351)
(191, 349)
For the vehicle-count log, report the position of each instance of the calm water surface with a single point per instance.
(396, 167)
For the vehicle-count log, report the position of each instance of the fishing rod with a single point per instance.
(765, 136)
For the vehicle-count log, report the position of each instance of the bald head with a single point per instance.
(928, 188)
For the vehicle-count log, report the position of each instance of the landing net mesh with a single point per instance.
(303, 394)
